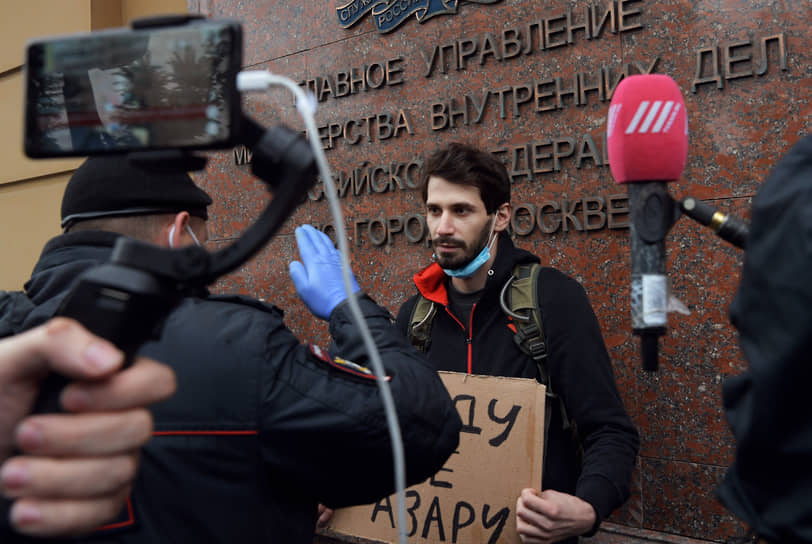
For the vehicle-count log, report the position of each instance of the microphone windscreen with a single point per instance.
(647, 130)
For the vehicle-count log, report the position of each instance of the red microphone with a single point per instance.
(647, 133)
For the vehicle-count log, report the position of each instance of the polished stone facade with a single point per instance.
(740, 123)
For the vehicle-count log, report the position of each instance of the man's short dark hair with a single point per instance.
(465, 164)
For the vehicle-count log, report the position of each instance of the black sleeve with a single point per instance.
(581, 373)
(324, 429)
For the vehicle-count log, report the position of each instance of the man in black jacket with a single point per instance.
(262, 428)
(467, 196)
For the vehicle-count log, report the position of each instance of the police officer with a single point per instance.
(262, 428)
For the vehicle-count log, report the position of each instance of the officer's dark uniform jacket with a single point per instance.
(261, 429)
(578, 364)
(769, 485)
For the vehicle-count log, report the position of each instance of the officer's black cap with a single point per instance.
(107, 186)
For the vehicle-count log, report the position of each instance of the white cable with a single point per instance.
(262, 80)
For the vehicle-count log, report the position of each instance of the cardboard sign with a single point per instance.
(473, 497)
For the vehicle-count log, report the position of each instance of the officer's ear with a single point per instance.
(175, 230)
(503, 213)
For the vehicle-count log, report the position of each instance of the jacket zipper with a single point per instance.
(469, 335)
(470, 339)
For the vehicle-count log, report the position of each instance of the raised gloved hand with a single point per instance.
(318, 281)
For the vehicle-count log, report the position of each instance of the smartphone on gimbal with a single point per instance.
(154, 86)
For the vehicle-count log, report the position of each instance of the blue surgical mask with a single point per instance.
(190, 231)
(469, 269)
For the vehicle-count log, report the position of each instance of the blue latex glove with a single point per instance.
(318, 281)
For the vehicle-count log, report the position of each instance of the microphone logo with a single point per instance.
(614, 111)
(657, 117)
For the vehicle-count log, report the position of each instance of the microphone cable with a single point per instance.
(262, 80)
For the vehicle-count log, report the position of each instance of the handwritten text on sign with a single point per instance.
(473, 497)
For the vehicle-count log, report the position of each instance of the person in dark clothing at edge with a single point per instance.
(262, 428)
(467, 196)
(769, 484)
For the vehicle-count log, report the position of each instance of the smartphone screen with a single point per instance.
(121, 90)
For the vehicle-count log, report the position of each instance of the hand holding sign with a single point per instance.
(551, 516)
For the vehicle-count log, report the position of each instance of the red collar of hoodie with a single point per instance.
(431, 283)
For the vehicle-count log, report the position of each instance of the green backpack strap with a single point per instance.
(519, 299)
(419, 332)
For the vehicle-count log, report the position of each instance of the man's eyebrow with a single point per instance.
(460, 204)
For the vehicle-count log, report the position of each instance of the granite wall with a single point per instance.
(532, 81)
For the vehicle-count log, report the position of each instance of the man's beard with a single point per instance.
(469, 253)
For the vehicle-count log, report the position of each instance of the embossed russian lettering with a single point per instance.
(439, 116)
(561, 92)
(562, 148)
(394, 71)
(568, 211)
(730, 59)
(500, 100)
(414, 226)
(584, 87)
(523, 220)
(489, 48)
(543, 95)
(573, 27)
(466, 48)
(479, 109)
(376, 230)
(357, 80)
(782, 53)
(626, 16)
(348, 135)
(617, 205)
(457, 113)
(554, 215)
(412, 173)
(713, 65)
(555, 31)
(379, 178)
(385, 127)
(360, 179)
(511, 43)
(375, 75)
(528, 48)
(430, 61)
(539, 156)
(357, 225)
(594, 216)
(598, 22)
(343, 183)
(587, 150)
(522, 94)
(342, 86)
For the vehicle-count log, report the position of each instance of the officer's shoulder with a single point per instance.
(242, 301)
